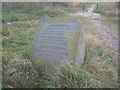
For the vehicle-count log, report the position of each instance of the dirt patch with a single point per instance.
(110, 38)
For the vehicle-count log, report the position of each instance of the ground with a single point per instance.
(100, 68)
(108, 34)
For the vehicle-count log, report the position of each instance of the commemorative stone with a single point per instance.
(57, 41)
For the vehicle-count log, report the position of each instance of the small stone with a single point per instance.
(9, 23)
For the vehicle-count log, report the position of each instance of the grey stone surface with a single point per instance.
(57, 41)
(91, 15)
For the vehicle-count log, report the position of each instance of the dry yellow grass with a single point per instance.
(91, 39)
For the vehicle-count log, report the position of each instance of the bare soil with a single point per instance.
(109, 37)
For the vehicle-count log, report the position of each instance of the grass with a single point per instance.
(101, 64)
(102, 67)
(72, 9)
(99, 3)
(99, 70)
(21, 13)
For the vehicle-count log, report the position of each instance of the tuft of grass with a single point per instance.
(24, 75)
(102, 67)
(74, 77)
(91, 39)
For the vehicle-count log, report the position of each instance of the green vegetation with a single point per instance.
(99, 70)
(20, 73)
(99, 3)
(17, 42)
(22, 13)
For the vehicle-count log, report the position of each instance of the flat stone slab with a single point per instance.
(55, 41)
